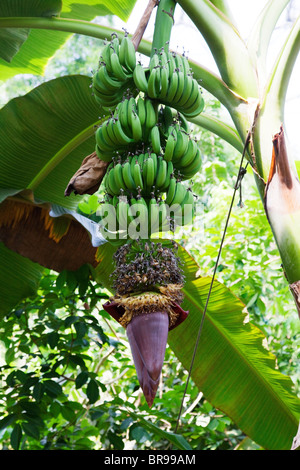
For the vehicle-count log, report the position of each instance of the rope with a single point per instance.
(241, 173)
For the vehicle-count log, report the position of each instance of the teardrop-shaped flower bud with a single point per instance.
(147, 335)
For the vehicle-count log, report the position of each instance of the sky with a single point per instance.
(186, 37)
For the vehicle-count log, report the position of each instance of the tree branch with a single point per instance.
(139, 32)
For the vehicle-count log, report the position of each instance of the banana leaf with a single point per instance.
(45, 135)
(30, 53)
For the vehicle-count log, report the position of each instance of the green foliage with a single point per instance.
(68, 381)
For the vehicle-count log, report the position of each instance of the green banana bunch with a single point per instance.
(150, 149)
(115, 73)
(132, 122)
(169, 80)
(141, 174)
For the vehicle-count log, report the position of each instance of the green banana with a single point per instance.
(137, 176)
(180, 193)
(106, 134)
(127, 54)
(131, 109)
(190, 170)
(123, 116)
(154, 83)
(186, 65)
(193, 95)
(127, 176)
(153, 216)
(120, 136)
(180, 88)
(183, 122)
(136, 126)
(102, 155)
(115, 43)
(161, 173)
(155, 139)
(112, 182)
(149, 173)
(171, 190)
(188, 87)
(122, 213)
(117, 68)
(151, 117)
(196, 108)
(170, 146)
(179, 62)
(118, 177)
(110, 123)
(105, 56)
(141, 212)
(171, 64)
(155, 162)
(107, 82)
(167, 119)
(102, 144)
(164, 224)
(188, 207)
(173, 85)
(181, 146)
(163, 58)
(141, 159)
(164, 82)
(154, 62)
(141, 111)
(189, 155)
(170, 172)
(107, 187)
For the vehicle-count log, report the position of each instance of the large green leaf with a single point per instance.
(44, 137)
(40, 46)
(232, 367)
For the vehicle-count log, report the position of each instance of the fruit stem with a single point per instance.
(163, 25)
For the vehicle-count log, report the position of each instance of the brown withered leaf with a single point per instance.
(88, 177)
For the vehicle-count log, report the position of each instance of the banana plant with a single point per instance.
(45, 135)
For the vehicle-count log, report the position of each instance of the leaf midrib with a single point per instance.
(61, 154)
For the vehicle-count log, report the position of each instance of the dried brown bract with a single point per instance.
(88, 177)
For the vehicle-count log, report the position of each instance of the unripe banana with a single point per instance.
(155, 139)
(140, 79)
(137, 176)
(161, 173)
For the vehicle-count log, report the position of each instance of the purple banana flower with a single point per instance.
(147, 334)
